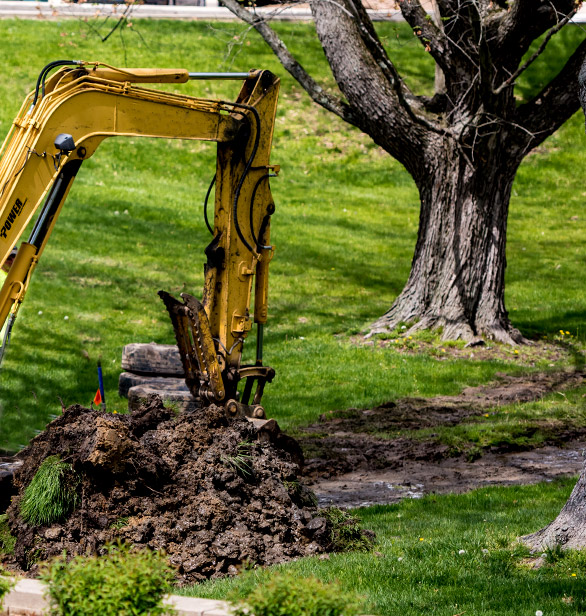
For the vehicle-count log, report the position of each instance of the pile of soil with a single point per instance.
(211, 491)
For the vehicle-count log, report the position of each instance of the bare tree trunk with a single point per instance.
(568, 530)
(457, 275)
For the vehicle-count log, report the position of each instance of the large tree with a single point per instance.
(462, 146)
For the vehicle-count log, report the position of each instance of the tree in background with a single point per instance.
(462, 146)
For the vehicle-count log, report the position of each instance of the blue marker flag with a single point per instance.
(100, 397)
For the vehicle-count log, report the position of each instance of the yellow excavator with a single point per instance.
(73, 108)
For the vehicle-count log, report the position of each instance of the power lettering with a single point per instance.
(14, 212)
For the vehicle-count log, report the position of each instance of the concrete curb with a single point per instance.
(27, 599)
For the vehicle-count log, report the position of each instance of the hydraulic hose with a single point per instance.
(256, 239)
(246, 170)
(205, 205)
(43, 75)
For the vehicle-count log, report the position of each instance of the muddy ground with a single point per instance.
(215, 494)
(348, 465)
(211, 491)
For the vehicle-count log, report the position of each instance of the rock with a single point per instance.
(317, 524)
(108, 447)
(53, 533)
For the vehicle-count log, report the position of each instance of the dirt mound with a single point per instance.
(210, 491)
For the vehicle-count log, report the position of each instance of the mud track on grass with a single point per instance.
(349, 464)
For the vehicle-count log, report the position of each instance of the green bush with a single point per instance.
(286, 594)
(51, 495)
(5, 585)
(117, 583)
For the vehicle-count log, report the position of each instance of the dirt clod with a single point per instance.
(200, 486)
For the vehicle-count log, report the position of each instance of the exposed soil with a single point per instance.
(349, 465)
(210, 491)
(215, 493)
(415, 478)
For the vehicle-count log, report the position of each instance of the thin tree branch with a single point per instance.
(123, 17)
(526, 21)
(555, 104)
(540, 50)
(315, 91)
(431, 37)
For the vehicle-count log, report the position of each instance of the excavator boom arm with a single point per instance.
(71, 112)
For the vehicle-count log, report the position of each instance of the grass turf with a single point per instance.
(345, 229)
(451, 554)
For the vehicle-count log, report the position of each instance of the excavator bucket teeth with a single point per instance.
(196, 347)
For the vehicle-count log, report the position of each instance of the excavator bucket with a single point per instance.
(196, 347)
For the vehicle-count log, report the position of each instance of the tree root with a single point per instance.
(452, 329)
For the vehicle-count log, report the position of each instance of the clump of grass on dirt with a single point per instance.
(120, 582)
(346, 535)
(51, 495)
(241, 461)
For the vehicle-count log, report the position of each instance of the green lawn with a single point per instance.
(417, 566)
(344, 229)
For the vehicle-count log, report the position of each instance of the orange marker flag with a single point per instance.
(98, 398)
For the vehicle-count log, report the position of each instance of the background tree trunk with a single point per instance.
(457, 275)
(568, 530)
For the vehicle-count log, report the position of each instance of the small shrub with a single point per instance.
(5, 585)
(118, 583)
(346, 534)
(51, 495)
(7, 541)
(285, 594)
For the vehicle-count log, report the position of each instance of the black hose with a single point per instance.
(205, 205)
(45, 71)
(246, 170)
(256, 239)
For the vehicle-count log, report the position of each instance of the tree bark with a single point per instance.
(457, 274)
(568, 530)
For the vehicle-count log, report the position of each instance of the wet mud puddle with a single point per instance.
(418, 478)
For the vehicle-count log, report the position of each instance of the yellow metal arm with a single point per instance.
(70, 113)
